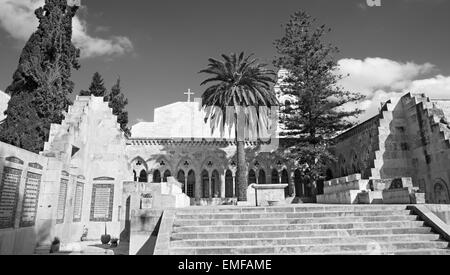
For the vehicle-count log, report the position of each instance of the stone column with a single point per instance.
(149, 177)
(234, 186)
(292, 184)
(222, 186)
(209, 187)
(197, 187)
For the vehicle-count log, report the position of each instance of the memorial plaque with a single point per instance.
(62, 201)
(9, 195)
(78, 207)
(30, 200)
(102, 202)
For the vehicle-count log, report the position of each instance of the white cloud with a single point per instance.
(18, 19)
(381, 79)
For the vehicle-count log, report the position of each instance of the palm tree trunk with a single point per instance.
(241, 171)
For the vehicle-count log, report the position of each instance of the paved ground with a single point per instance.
(93, 248)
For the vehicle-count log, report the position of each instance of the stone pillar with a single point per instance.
(234, 186)
(222, 186)
(149, 177)
(197, 187)
(209, 188)
(292, 190)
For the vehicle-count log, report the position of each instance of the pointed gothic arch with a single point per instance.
(215, 184)
(166, 174)
(143, 176)
(181, 177)
(156, 176)
(191, 184)
(261, 176)
(205, 184)
(229, 184)
(275, 179)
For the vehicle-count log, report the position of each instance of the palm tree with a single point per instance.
(238, 82)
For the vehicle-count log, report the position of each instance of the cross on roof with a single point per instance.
(189, 93)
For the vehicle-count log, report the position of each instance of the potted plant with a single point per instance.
(84, 235)
(105, 238)
(114, 242)
(55, 245)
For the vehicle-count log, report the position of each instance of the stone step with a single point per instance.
(291, 208)
(306, 241)
(42, 250)
(215, 223)
(293, 233)
(444, 251)
(242, 216)
(310, 249)
(312, 226)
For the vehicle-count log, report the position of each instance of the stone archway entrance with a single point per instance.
(191, 184)
(298, 183)
(143, 176)
(166, 175)
(229, 184)
(285, 180)
(262, 177)
(182, 179)
(205, 184)
(156, 176)
(215, 184)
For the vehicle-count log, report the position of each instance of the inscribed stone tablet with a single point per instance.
(9, 194)
(30, 200)
(78, 202)
(62, 201)
(102, 202)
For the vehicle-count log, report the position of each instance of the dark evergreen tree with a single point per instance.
(317, 107)
(117, 101)
(97, 87)
(41, 84)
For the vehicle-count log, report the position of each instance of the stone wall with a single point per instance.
(25, 199)
(82, 170)
(152, 160)
(409, 138)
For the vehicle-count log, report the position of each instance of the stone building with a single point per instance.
(181, 144)
(408, 138)
(82, 177)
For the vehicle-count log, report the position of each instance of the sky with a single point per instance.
(157, 47)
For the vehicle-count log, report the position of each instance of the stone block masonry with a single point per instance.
(354, 190)
(62, 190)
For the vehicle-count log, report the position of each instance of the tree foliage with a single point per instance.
(238, 81)
(318, 107)
(97, 87)
(41, 84)
(117, 101)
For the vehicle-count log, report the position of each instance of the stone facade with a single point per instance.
(75, 182)
(180, 143)
(88, 171)
(408, 138)
(4, 99)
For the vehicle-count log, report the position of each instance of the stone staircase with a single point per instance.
(304, 229)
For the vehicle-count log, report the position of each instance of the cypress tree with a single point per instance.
(316, 109)
(41, 84)
(97, 87)
(117, 101)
